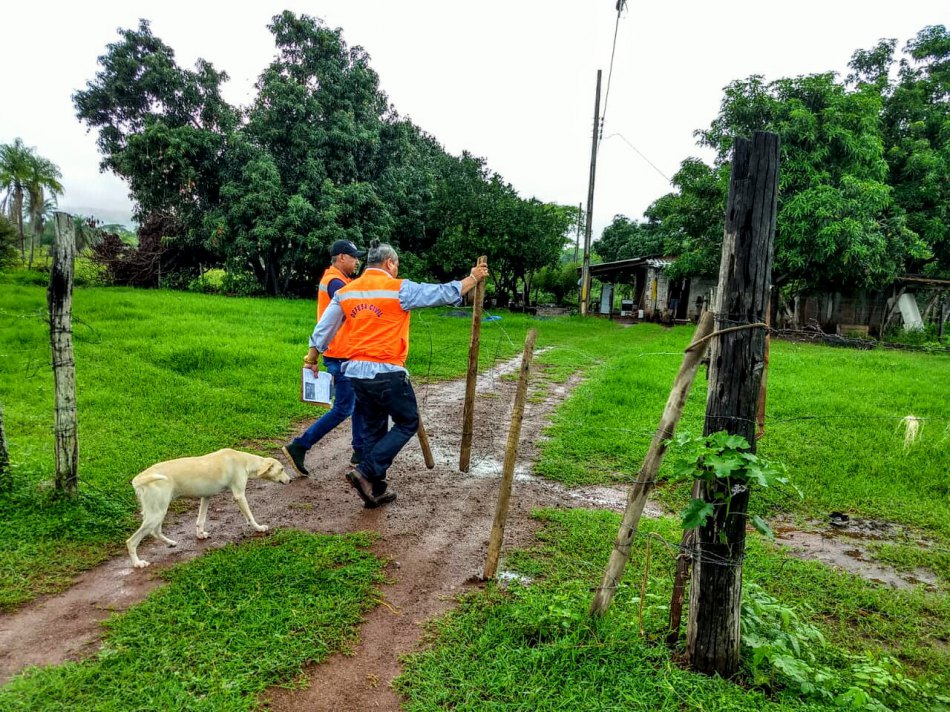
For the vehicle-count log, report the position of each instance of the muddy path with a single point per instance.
(434, 538)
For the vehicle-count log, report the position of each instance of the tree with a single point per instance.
(626, 239)
(162, 128)
(27, 178)
(15, 164)
(690, 221)
(838, 224)
(916, 117)
(8, 238)
(43, 179)
(318, 156)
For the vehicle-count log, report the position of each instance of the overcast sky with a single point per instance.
(509, 80)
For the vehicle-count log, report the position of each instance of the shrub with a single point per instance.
(8, 243)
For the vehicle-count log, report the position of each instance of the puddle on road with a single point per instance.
(506, 578)
(845, 548)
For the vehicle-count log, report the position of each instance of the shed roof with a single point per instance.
(605, 269)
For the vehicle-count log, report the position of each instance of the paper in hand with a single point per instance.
(316, 387)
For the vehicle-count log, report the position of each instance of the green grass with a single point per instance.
(833, 417)
(226, 627)
(534, 647)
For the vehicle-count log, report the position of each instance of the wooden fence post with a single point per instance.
(735, 374)
(468, 410)
(646, 478)
(59, 297)
(424, 444)
(511, 456)
(6, 481)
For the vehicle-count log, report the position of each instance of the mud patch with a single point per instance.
(845, 547)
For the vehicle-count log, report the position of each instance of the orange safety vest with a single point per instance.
(335, 349)
(376, 327)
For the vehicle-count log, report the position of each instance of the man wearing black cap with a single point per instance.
(344, 264)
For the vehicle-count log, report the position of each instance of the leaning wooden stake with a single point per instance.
(424, 444)
(468, 411)
(60, 301)
(646, 478)
(511, 455)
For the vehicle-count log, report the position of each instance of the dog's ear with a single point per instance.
(266, 464)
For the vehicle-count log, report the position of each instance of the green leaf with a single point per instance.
(762, 527)
(696, 513)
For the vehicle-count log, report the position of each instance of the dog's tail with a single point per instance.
(147, 478)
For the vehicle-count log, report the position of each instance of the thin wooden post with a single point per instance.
(585, 268)
(468, 410)
(511, 456)
(59, 297)
(763, 389)
(646, 478)
(943, 318)
(424, 444)
(735, 374)
(6, 481)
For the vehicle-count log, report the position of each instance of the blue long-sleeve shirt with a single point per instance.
(412, 295)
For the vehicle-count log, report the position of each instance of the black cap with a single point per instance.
(345, 247)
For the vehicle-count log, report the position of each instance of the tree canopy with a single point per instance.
(319, 155)
(864, 193)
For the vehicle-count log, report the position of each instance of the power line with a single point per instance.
(640, 153)
(621, 5)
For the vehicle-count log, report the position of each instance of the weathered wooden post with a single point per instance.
(468, 410)
(737, 360)
(646, 478)
(6, 482)
(59, 297)
(424, 444)
(511, 456)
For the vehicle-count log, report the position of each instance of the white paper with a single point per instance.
(316, 388)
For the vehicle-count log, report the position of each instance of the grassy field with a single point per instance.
(159, 375)
(226, 627)
(833, 417)
(167, 374)
(533, 646)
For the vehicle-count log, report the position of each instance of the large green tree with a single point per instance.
(916, 133)
(319, 155)
(625, 239)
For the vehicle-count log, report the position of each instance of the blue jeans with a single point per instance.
(343, 407)
(389, 395)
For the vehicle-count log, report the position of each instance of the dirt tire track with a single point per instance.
(434, 536)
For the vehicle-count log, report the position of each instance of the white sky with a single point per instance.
(510, 80)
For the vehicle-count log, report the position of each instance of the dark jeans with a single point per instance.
(343, 407)
(389, 395)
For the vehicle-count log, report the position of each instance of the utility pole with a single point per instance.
(585, 270)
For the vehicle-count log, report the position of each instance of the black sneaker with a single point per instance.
(364, 488)
(295, 455)
(356, 458)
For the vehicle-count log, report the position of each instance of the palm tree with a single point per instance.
(44, 176)
(14, 174)
(24, 173)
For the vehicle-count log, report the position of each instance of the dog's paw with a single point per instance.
(172, 543)
(141, 564)
(262, 527)
(202, 535)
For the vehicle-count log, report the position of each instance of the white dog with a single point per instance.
(200, 477)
